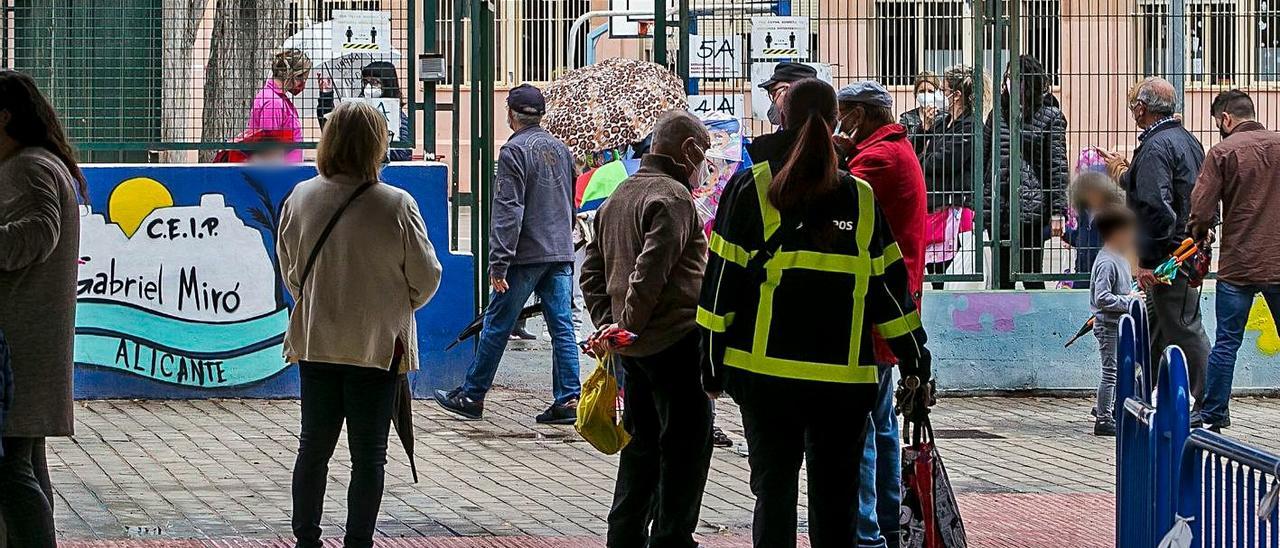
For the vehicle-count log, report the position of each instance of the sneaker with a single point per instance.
(560, 413)
(522, 334)
(454, 402)
(719, 439)
(1104, 429)
(1217, 426)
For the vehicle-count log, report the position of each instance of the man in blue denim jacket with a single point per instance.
(531, 251)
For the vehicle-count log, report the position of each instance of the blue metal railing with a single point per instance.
(1224, 491)
(1229, 492)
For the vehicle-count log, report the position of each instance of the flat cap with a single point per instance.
(865, 91)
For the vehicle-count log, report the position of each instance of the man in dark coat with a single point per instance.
(770, 147)
(1159, 182)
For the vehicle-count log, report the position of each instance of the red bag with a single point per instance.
(930, 516)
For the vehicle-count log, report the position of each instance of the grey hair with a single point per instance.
(1158, 94)
(527, 120)
(876, 113)
(673, 128)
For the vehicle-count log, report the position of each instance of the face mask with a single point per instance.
(775, 117)
(372, 91)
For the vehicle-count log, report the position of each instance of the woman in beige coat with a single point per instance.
(39, 248)
(352, 330)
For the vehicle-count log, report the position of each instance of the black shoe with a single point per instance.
(1197, 419)
(454, 402)
(1104, 429)
(522, 334)
(719, 439)
(1217, 426)
(560, 413)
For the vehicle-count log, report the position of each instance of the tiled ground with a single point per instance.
(157, 472)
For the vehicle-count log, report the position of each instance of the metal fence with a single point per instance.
(137, 79)
(1176, 483)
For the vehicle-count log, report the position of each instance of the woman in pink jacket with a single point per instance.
(273, 108)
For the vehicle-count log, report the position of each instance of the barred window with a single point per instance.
(1212, 40)
(1267, 27)
(917, 35)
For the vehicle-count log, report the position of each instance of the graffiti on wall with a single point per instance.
(180, 293)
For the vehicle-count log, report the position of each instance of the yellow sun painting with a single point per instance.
(132, 200)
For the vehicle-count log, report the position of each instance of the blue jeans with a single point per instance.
(553, 283)
(1232, 307)
(880, 494)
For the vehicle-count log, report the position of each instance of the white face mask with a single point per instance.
(372, 91)
(931, 99)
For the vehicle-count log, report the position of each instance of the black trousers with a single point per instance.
(788, 422)
(663, 470)
(26, 505)
(331, 394)
(1174, 314)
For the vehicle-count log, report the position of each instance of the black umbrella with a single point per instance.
(478, 323)
(402, 418)
(1088, 325)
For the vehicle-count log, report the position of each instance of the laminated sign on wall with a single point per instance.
(780, 38)
(360, 32)
(704, 106)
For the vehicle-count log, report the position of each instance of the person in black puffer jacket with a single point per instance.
(1042, 187)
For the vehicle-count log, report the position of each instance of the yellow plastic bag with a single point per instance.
(598, 410)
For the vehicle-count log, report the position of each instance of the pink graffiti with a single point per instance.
(1001, 308)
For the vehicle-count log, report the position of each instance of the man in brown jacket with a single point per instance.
(1243, 174)
(643, 273)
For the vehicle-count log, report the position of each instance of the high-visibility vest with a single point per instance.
(810, 315)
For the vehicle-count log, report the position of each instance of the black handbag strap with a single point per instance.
(324, 236)
(755, 265)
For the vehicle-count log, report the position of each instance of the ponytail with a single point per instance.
(809, 173)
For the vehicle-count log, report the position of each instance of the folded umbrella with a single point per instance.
(402, 419)
(477, 324)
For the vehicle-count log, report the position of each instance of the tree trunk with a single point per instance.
(246, 34)
(181, 23)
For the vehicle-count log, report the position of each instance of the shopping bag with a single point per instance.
(930, 516)
(598, 412)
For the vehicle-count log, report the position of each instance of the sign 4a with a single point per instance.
(715, 56)
(704, 106)
(780, 38)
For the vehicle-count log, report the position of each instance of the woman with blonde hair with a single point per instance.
(355, 256)
(273, 111)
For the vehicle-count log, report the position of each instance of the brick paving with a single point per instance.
(216, 473)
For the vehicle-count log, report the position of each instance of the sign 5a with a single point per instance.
(715, 56)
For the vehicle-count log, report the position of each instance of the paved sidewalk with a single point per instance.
(153, 473)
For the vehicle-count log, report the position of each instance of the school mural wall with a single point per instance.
(179, 292)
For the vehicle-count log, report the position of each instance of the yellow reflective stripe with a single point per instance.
(824, 262)
(731, 252)
(795, 369)
(713, 321)
(862, 280)
(764, 311)
(901, 326)
(769, 215)
(892, 254)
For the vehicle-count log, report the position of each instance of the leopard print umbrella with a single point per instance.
(610, 104)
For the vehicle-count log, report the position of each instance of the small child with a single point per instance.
(1090, 193)
(1110, 287)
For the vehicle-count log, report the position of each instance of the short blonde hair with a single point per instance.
(354, 142)
(290, 63)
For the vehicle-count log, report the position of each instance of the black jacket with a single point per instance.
(947, 161)
(1042, 191)
(1159, 182)
(771, 147)
(914, 122)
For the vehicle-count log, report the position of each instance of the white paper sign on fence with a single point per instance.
(360, 32)
(761, 72)
(704, 106)
(715, 56)
(390, 109)
(780, 38)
